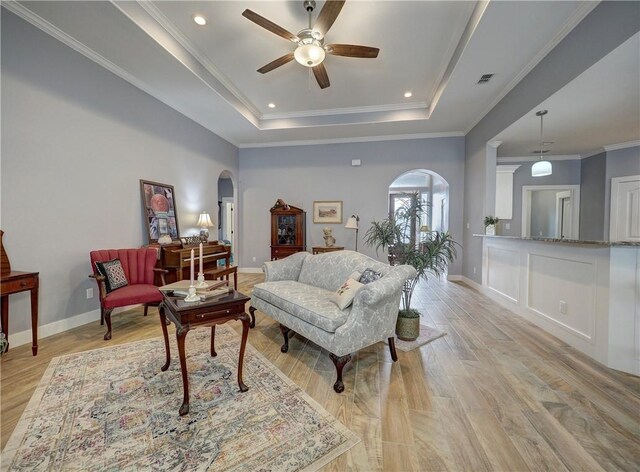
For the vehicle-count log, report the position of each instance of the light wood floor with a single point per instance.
(496, 393)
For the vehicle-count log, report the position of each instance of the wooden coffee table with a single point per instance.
(213, 311)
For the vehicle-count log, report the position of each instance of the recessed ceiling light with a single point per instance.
(200, 20)
(407, 94)
(548, 143)
(271, 105)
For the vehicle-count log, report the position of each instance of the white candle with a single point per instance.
(192, 262)
(200, 259)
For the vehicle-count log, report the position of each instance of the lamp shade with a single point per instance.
(352, 222)
(309, 55)
(540, 169)
(204, 221)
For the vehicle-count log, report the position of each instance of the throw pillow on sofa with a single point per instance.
(343, 297)
(113, 274)
(368, 276)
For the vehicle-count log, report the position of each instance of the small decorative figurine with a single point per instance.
(280, 203)
(329, 240)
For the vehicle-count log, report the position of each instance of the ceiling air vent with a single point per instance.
(485, 78)
(538, 151)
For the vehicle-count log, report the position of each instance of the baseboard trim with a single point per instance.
(250, 270)
(44, 331)
(60, 326)
(473, 284)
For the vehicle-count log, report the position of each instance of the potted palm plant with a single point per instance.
(410, 242)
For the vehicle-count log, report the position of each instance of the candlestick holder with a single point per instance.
(201, 283)
(192, 297)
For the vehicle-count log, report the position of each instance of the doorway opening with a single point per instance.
(432, 189)
(226, 207)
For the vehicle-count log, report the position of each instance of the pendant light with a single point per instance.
(542, 167)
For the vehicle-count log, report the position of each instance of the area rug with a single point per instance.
(427, 334)
(113, 409)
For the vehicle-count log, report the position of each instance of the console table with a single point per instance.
(12, 281)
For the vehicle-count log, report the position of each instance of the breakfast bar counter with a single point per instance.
(587, 293)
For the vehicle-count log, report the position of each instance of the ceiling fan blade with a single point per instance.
(328, 15)
(269, 25)
(351, 50)
(321, 76)
(277, 63)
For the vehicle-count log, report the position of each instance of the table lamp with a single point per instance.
(204, 221)
(352, 223)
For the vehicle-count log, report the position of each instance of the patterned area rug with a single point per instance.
(113, 409)
(427, 334)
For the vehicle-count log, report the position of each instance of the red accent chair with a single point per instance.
(139, 267)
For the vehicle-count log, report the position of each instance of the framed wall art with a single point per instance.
(159, 210)
(327, 212)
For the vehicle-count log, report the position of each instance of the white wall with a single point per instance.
(76, 139)
(301, 174)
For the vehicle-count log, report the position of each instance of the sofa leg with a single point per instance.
(146, 307)
(339, 362)
(285, 332)
(252, 313)
(107, 317)
(101, 316)
(392, 348)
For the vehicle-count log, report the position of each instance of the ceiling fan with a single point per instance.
(311, 50)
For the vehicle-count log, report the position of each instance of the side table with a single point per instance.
(213, 311)
(15, 282)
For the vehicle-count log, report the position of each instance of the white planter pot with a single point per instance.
(490, 230)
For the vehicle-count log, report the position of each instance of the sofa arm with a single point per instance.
(389, 285)
(284, 269)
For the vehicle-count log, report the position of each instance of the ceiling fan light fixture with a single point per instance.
(309, 55)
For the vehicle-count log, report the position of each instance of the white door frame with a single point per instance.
(574, 191)
(613, 212)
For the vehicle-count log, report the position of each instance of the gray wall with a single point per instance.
(76, 139)
(543, 213)
(301, 174)
(592, 197)
(605, 28)
(564, 172)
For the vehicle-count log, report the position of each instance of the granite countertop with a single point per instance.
(566, 241)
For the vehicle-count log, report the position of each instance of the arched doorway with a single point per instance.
(432, 189)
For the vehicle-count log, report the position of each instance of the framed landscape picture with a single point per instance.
(327, 212)
(159, 210)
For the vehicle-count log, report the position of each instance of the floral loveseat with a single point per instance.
(297, 293)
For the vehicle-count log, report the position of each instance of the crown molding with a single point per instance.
(347, 111)
(574, 20)
(507, 169)
(198, 55)
(363, 139)
(566, 157)
(615, 147)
